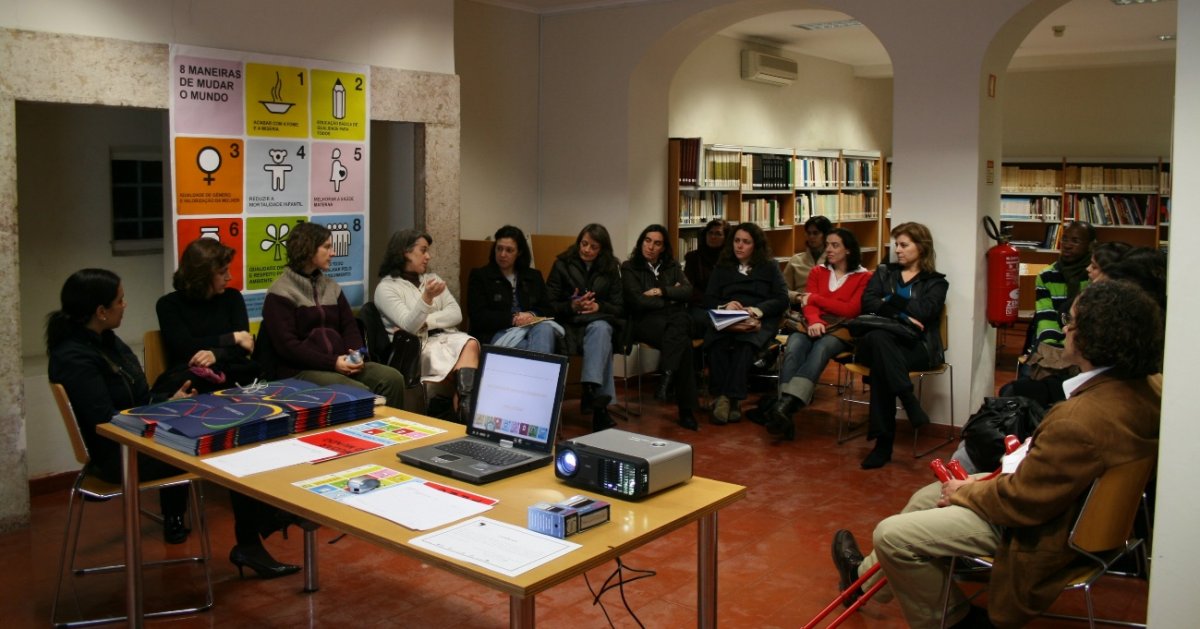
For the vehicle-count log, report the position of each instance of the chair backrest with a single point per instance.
(154, 356)
(545, 248)
(944, 331)
(71, 424)
(1106, 520)
(375, 334)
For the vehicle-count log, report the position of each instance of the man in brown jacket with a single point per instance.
(1114, 334)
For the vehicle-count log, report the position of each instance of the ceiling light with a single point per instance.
(1122, 3)
(824, 26)
(1166, 38)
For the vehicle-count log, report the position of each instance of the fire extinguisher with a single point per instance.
(1003, 287)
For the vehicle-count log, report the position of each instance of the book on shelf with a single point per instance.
(689, 161)
(722, 166)
(1080, 177)
(1038, 208)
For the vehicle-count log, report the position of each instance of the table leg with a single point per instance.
(133, 538)
(706, 594)
(520, 612)
(310, 560)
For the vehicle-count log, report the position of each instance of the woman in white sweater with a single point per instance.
(411, 298)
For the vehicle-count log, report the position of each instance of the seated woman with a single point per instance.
(657, 293)
(698, 265)
(816, 228)
(1104, 254)
(308, 330)
(585, 294)
(833, 294)
(746, 278)
(102, 376)
(204, 325)
(912, 291)
(506, 297)
(411, 298)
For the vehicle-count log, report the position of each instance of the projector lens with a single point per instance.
(566, 462)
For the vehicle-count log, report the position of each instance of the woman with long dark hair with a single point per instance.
(657, 293)
(698, 266)
(912, 291)
(832, 295)
(412, 298)
(102, 376)
(507, 297)
(747, 279)
(585, 293)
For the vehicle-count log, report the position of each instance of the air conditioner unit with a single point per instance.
(764, 68)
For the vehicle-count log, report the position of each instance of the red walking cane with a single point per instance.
(944, 473)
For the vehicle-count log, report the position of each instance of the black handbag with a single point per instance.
(860, 325)
(984, 432)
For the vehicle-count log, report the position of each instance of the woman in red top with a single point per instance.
(834, 294)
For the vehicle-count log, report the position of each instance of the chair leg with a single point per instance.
(75, 505)
(848, 402)
(920, 396)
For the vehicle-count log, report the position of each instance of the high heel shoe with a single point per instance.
(260, 561)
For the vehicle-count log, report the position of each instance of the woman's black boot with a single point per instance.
(779, 416)
(600, 418)
(882, 453)
(663, 393)
(465, 377)
(260, 561)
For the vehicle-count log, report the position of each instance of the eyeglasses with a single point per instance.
(1066, 318)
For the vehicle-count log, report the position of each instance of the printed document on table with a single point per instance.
(269, 456)
(407, 500)
(499, 547)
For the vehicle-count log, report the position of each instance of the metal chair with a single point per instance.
(1102, 534)
(88, 487)
(862, 371)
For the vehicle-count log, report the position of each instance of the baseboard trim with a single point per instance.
(51, 483)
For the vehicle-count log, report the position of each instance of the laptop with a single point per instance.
(518, 397)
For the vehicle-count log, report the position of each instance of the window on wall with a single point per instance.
(137, 202)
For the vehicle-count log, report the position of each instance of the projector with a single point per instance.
(622, 464)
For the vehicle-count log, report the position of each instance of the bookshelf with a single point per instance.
(777, 188)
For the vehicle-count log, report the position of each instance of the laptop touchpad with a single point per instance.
(446, 457)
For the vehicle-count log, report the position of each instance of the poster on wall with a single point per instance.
(261, 143)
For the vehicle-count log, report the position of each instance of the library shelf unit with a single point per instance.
(777, 188)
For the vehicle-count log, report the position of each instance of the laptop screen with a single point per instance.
(518, 395)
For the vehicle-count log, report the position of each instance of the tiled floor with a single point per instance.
(774, 568)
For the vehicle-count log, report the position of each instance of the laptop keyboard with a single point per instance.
(492, 455)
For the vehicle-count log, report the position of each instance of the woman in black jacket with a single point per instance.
(657, 293)
(746, 278)
(509, 294)
(585, 294)
(912, 291)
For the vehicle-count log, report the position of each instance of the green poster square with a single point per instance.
(266, 248)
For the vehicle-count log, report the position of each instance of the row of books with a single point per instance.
(689, 161)
(722, 169)
(1031, 208)
(862, 173)
(1017, 179)
(236, 416)
(818, 172)
(1113, 209)
(699, 208)
(1107, 178)
(763, 212)
(1050, 241)
(766, 172)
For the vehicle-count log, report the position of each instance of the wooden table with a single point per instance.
(632, 524)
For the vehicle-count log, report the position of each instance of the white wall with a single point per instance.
(497, 57)
(1120, 111)
(408, 34)
(828, 107)
(1173, 601)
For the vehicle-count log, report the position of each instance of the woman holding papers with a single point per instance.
(748, 280)
(507, 298)
(586, 295)
(657, 293)
(206, 336)
(308, 330)
(833, 294)
(912, 291)
(102, 376)
(411, 298)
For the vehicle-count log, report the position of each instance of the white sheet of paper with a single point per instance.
(1009, 463)
(497, 546)
(416, 505)
(269, 456)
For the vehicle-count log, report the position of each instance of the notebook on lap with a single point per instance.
(518, 395)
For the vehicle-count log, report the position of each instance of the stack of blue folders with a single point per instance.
(241, 415)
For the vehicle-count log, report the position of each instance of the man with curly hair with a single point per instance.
(1114, 333)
